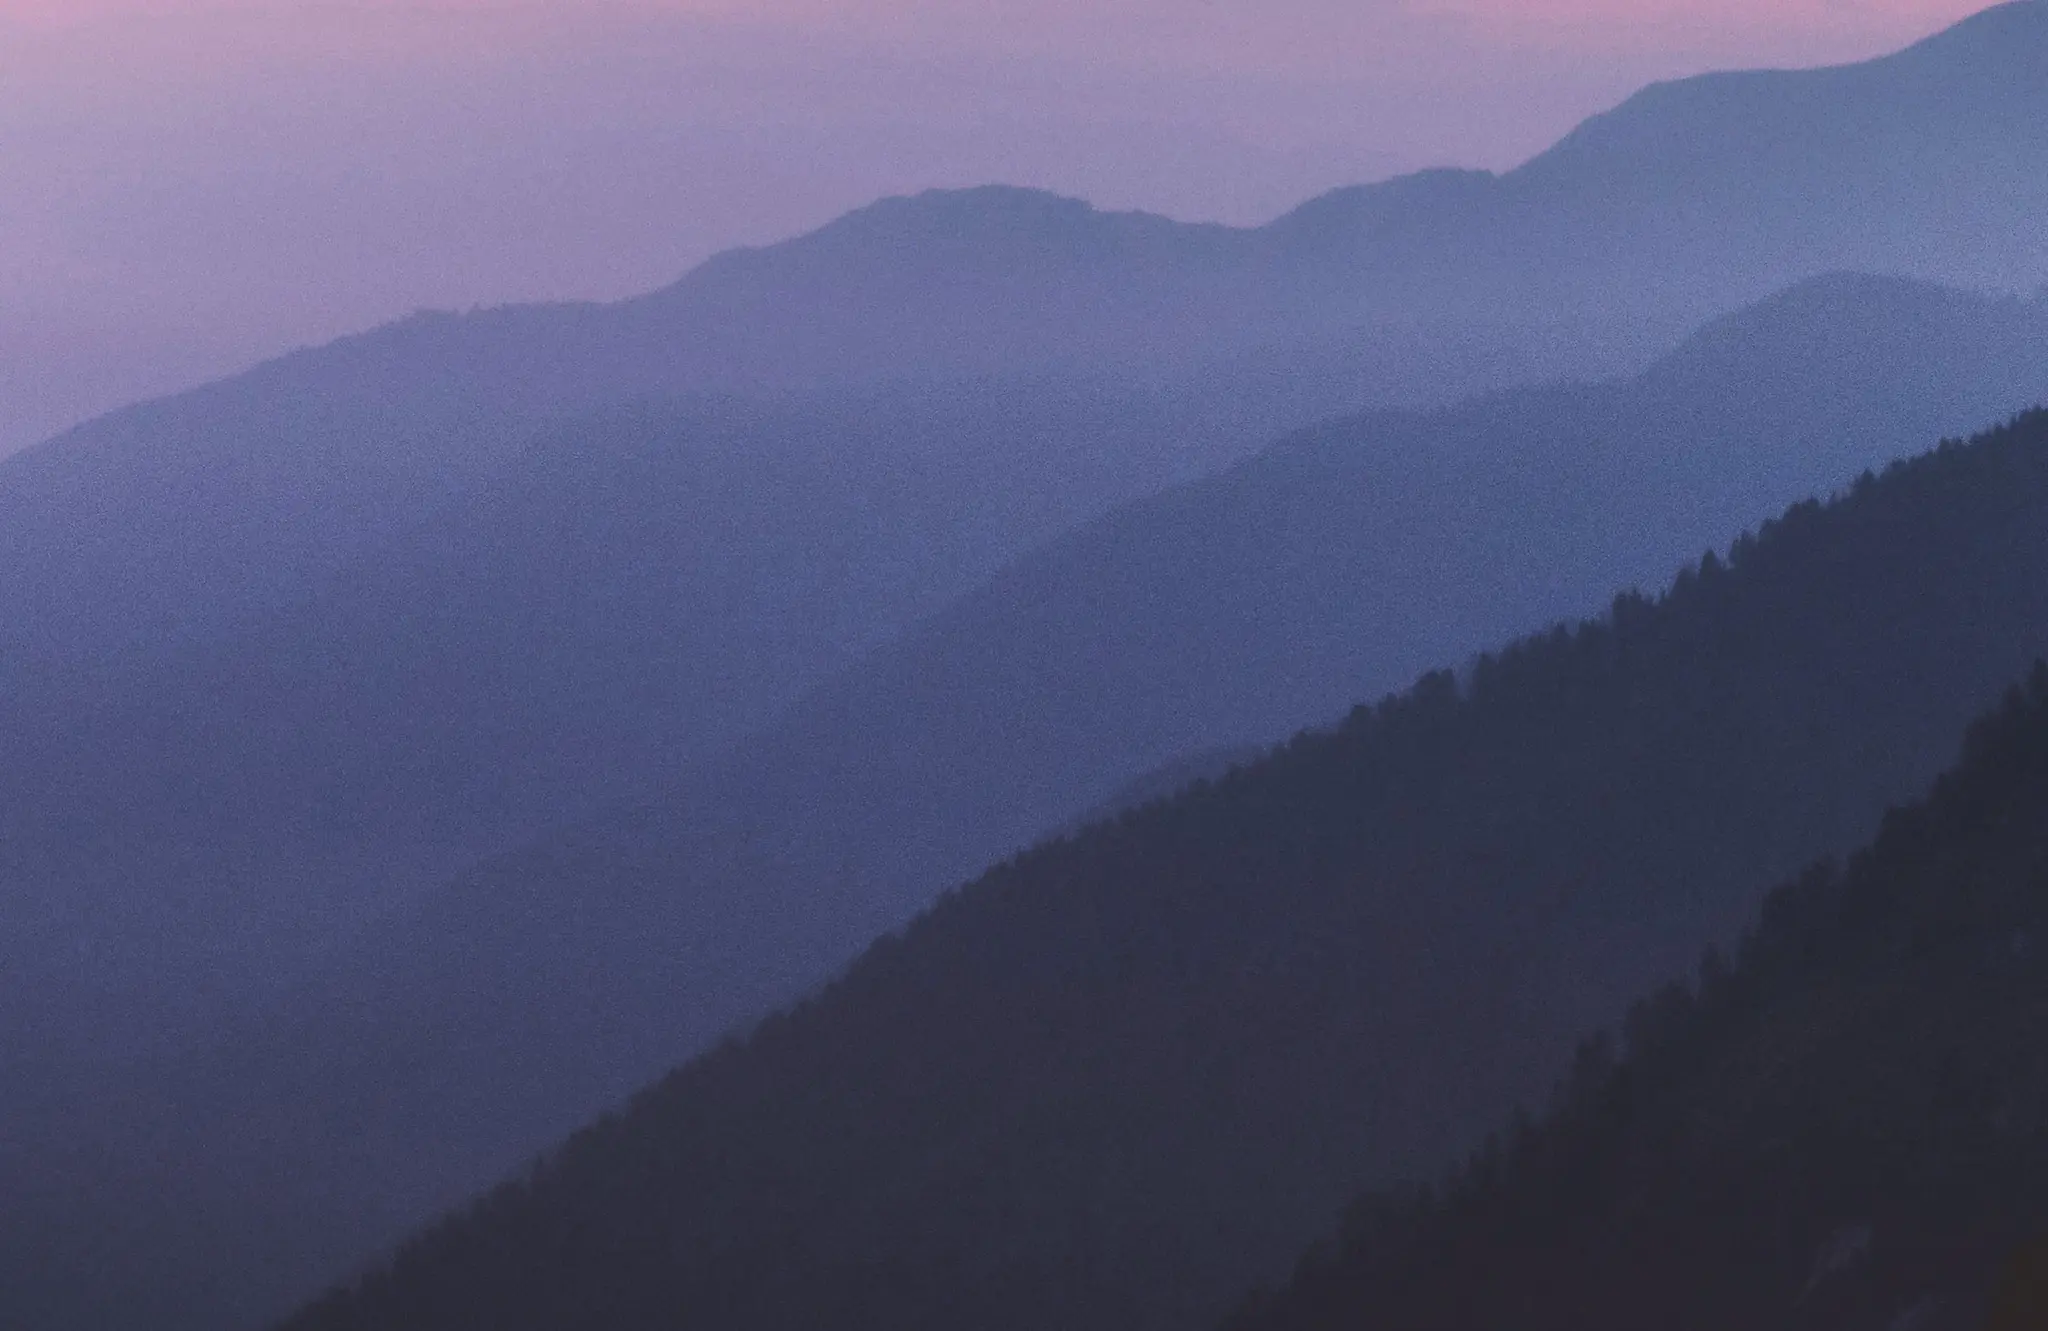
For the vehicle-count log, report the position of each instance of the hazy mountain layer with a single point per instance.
(1348, 559)
(532, 993)
(154, 538)
(1122, 1077)
(1687, 201)
(275, 652)
(631, 591)
(1338, 565)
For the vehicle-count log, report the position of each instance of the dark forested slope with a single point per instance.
(188, 825)
(635, 589)
(1338, 565)
(440, 1049)
(167, 538)
(1845, 1128)
(179, 519)
(1124, 1076)
(1349, 558)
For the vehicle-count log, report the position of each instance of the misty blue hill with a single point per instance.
(1715, 189)
(1122, 1077)
(282, 651)
(1353, 556)
(629, 591)
(176, 520)
(263, 693)
(1686, 202)
(526, 996)
(180, 538)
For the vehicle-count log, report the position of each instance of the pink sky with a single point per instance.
(187, 184)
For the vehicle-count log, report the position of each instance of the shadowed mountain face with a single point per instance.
(1843, 1129)
(504, 1009)
(406, 473)
(278, 655)
(1335, 566)
(1121, 1078)
(1348, 559)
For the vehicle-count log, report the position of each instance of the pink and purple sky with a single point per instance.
(186, 185)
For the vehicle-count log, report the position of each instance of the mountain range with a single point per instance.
(930, 387)
(415, 744)
(1687, 201)
(437, 1048)
(1121, 1078)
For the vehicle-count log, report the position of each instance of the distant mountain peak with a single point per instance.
(986, 213)
(2005, 31)
(1825, 300)
(1355, 206)
(981, 201)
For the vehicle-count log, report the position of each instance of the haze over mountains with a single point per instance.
(627, 593)
(1335, 566)
(193, 187)
(187, 518)
(420, 742)
(1119, 1079)
(1154, 632)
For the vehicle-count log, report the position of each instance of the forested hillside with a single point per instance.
(303, 674)
(1340, 564)
(587, 619)
(1842, 1125)
(1349, 558)
(1125, 1076)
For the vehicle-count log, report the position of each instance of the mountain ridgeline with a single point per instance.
(1687, 201)
(814, 583)
(1349, 558)
(183, 529)
(1843, 1126)
(437, 1049)
(592, 615)
(1337, 565)
(1126, 1076)
(625, 593)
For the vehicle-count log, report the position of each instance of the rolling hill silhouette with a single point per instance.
(1335, 566)
(277, 655)
(1687, 201)
(1120, 1078)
